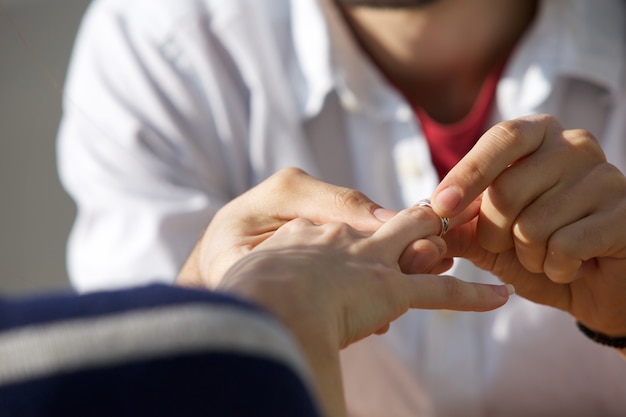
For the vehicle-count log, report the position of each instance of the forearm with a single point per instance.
(317, 340)
(325, 368)
(190, 274)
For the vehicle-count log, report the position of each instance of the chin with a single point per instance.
(385, 4)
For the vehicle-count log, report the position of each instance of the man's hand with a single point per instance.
(552, 218)
(254, 216)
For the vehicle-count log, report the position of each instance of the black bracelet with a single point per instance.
(603, 339)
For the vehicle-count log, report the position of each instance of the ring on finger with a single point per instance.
(445, 221)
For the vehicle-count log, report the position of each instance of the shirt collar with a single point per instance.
(340, 65)
(311, 73)
(570, 38)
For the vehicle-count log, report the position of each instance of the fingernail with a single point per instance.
(448, 199)
(504, 290)
(383, 214)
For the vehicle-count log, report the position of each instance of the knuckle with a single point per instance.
(417, 214)
(608, 175)
(502, 196)
(546, 119)
(338, 227)
(346, 197)
(453, 288)
(420, 213)
(559, 246)
(286, 178)
(514, 134)
(510, 132)
(567, 243)
(474, 173)
(294, 225)
(337, 230)
(299, 222)
(529, 226)
(583, 141)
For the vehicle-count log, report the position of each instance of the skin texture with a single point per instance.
(245, 222)
(249, 219)
(328, 282)
(551, 221)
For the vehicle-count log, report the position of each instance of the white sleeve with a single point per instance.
(141, 149)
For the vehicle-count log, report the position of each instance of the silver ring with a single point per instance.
(445, 221)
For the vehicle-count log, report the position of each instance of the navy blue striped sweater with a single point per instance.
(150, 351)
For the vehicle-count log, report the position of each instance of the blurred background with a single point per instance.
(35, 213)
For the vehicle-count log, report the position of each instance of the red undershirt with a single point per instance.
(448, 143)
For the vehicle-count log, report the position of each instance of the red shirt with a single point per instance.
(450, 142)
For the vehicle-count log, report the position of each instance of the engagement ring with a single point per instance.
(444, 220)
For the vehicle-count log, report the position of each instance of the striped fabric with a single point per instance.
(151, 351)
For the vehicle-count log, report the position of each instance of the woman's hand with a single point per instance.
(333, 285)
(350, 282)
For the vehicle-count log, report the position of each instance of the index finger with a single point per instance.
(292, 193)
(499, 148)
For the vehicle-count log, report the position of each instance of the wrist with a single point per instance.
(618, 342)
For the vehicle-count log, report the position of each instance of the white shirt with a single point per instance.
(175, 107)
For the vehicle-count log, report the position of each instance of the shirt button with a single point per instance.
(349, 101)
